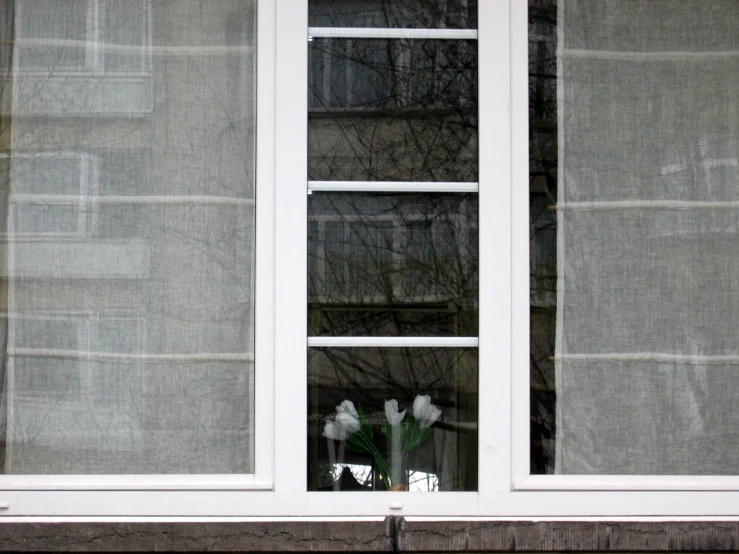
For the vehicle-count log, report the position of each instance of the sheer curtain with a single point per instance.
(128, 240)
(647, 355)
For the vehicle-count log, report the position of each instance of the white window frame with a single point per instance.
(35, 495)
(649, 495)
(279, 487)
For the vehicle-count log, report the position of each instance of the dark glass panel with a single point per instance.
(415, 14)
(392, 264)
(543, 228)
(446, 457)
(392, 110)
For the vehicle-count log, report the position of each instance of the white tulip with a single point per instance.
(424, 411)
(347, 406)
(391, 412)
(348, 422)
(334, 431)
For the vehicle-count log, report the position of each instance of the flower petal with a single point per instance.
(391, 412)
(334, 432)
(347, 422)
(347, 406)
(420, 406)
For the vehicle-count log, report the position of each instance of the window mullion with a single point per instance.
(495, 246)
(291, 261)
(520, 241)
(264, 339)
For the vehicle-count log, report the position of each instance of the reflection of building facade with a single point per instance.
(128, 149)
(393, 110)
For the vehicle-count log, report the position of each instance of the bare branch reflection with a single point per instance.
(417, 14)
(543, 228)
(393, 264)
(369, 376)
(393, 110)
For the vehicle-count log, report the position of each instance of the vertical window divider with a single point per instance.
(264, 338)
(494, 247)
(291, 238)
(520, 240)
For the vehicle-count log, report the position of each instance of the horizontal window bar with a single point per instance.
(392, 342)
(23, 198)
(389, 186)
(366, 32)
(130, 358)
(645, 56)
(651, 204)
(655, 357)
(111, 48)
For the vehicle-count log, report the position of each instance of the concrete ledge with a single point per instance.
(280, 536)
(566, 536)
(391, 535)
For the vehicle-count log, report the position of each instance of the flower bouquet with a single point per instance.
(353, 430)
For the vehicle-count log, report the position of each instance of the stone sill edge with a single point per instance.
(394, 534)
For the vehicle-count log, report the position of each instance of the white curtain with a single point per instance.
(647, 352)
(128, 252)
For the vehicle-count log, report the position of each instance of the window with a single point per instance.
(393, 212)
(222, 220)
(633, 208)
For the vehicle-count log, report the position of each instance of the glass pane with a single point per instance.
(543, 228)
(392, 110)
(416, 14)
(392, 264)
(127, 278)
(634, 219)
(419, 444)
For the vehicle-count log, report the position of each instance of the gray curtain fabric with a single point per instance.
(647, 356)
(128, 240)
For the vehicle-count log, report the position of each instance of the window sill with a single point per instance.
(390, 535)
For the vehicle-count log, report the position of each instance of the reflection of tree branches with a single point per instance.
(365, 374)
(543, 154)
(408, 112)
(405, 264)
(418, 14)
(7, 34)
